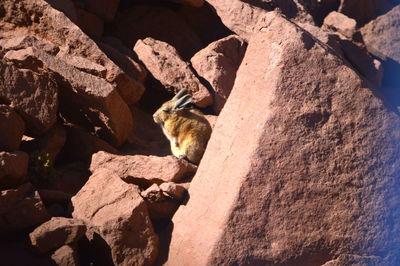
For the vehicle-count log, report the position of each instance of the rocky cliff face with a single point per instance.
(302, 167)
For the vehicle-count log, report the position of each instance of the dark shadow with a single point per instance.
(95, 252)
(165, 240)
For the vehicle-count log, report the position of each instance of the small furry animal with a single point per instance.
(185, 127)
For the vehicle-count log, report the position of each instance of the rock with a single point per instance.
(13, 169)
(212, 119)
(161, 207)
(355, 260)
(56, 28)
(176, 191)
(164, 63)
(20, 209)
(49, 196)
(51, 142)
(66, 255)
(382, 35)
(85, 65)
(217, 64)
(70, 178)
(157, 22)
(90, 23)
(33, 95)
(117, 219)
(194, 3)
(67, 7)
(106, 9)
(12, 127)
(142, 169)
(80, 146)
(340, 23)
(93, 96)
(57, 232)
(365, 12)
(300, 189)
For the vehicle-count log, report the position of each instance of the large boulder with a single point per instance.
(302, 166)
(20, 209)
(66, 255)
(12, 128)
(142, 169)
(364, 11)
(117, 220)
(13, 169)
(57, 232)
(164, 63)
(217, 64)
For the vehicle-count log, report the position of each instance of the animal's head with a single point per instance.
(172, 108)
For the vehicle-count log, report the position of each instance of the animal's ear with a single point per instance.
(184, 102)
(180, 94)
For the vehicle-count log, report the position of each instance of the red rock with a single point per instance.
(12, 128)
(66, 255)
(70, 178)
(49, 196)
(67, 7)
(212, 119)
(340, 23)
(218, 63)
(194, 3)
(382, 35)
(160, 205)
(33, 95)
(106, 9)
(142, 169)
(164, 63)
(363, 11)
(90, 23)
(20, 209)
(176, 191)
(160, 23)
(57, 232)
(51, 142)
(348, 259)
(85, 65)
(316, 178)
(13, 169)
(116, 216)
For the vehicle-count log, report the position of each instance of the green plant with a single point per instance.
(40, 168)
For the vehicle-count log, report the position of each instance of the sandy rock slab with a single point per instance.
(20, 209)
(317, 177)
(117, 220)
(142, 169)
(164, 63)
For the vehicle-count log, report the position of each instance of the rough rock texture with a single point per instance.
(160, 23)
(57, 232)
(32, 94)
(317, 177)
(217, 64)
(164, 63)
(90, 23)
(175, 191)
(13, 169)
(160, 205)
(93, 97)
(66, 255)
(355, 260)
(117, 219)
(341, 24)
(12, 128)
(20, 209)
(51, 142)
(143, 170)
(382, 35)
(363, 11)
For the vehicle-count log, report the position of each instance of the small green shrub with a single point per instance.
(40, 168)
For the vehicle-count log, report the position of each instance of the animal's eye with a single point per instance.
(166, 111)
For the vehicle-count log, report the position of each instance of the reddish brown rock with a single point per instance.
(66, 255)
(20, 209)
(13, 169)
(57, 232)
(161, 206)
(176, 191)
(12, 128)
(217, 64)
(67, 7)
(364, 11)
(355, 260)
(382, 35)
(194, 3)
(32, 94)
(70, 178)
(51, 142)
(164, 63)
(317, 177)
(106, 9)
(157, 22)
(117, 219)
(340, 23)
(49, 196)
(143, 170)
